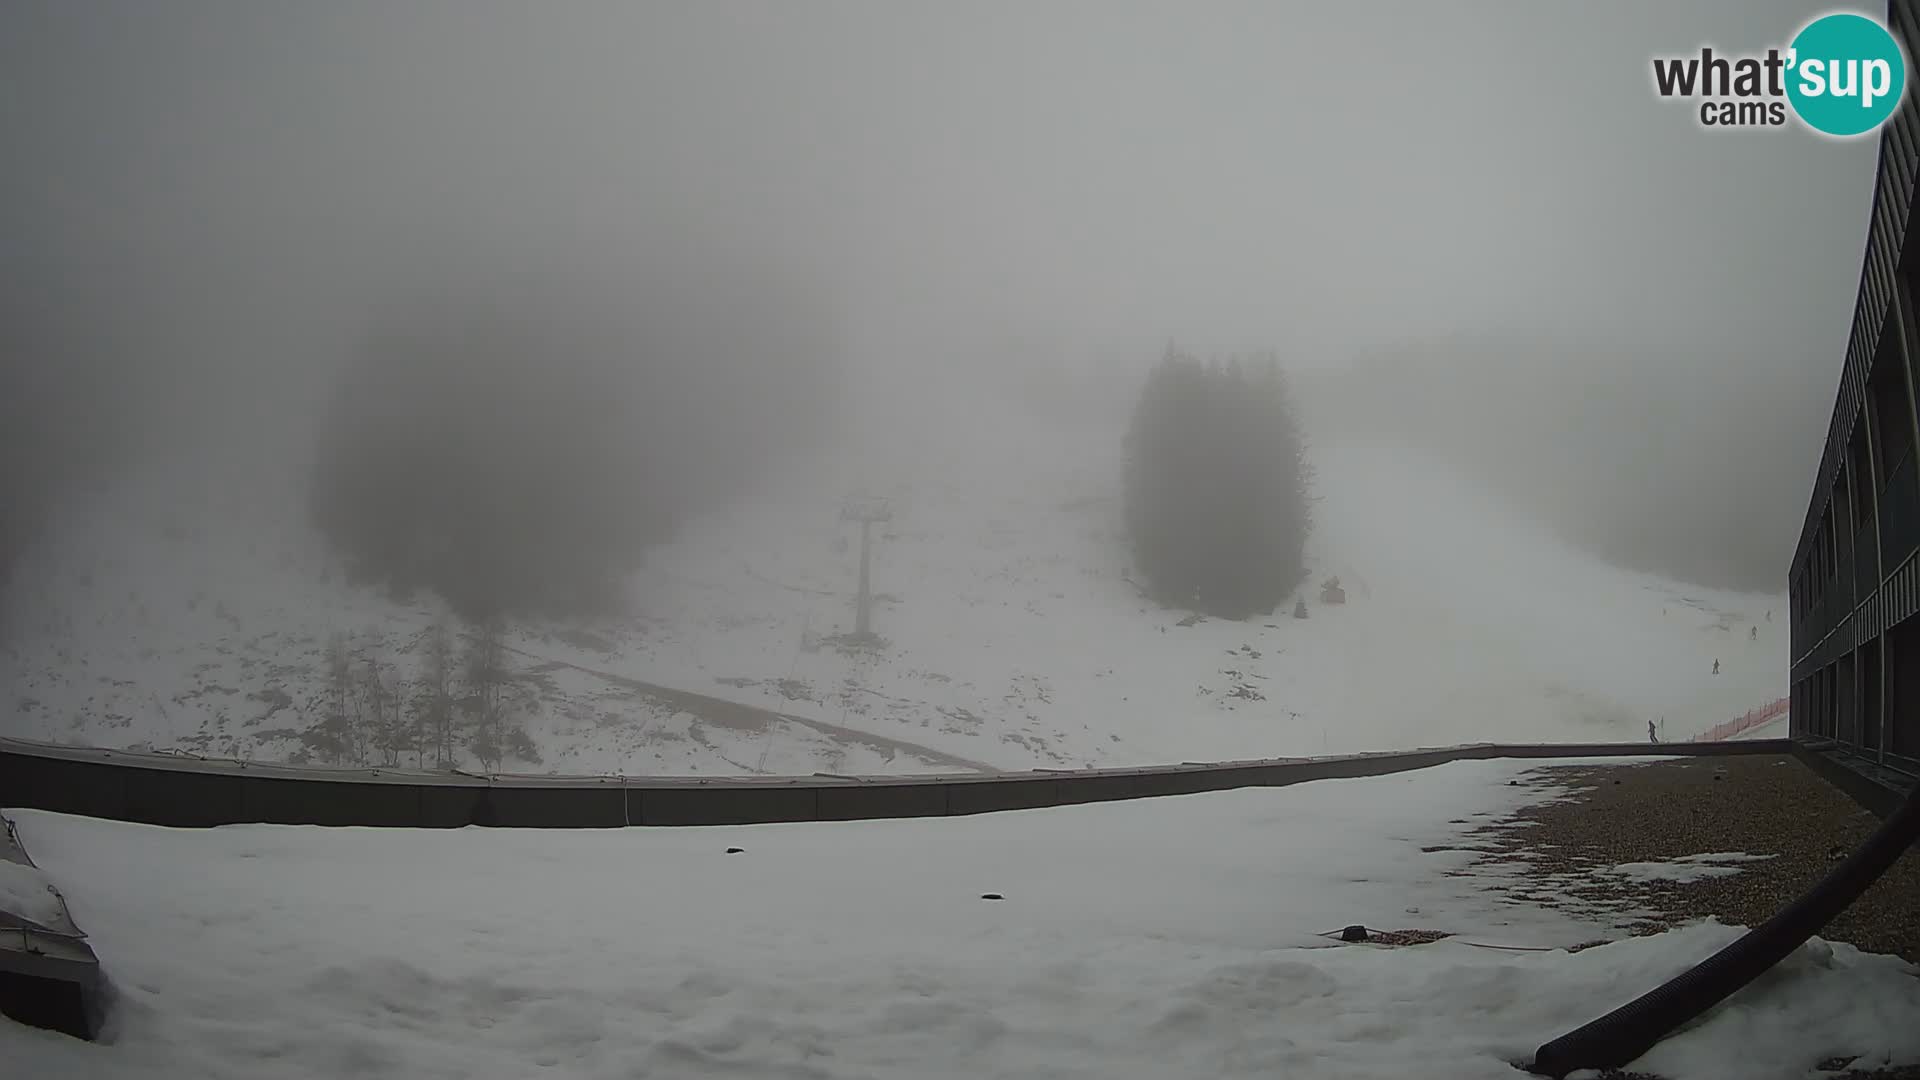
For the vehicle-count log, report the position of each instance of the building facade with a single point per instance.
(1855, 581)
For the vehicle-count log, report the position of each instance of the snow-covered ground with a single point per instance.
(1709, 864)
(26, 893)
(1167, 937)
(192, 609)
(1777, 728)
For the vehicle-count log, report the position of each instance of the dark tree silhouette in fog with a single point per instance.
(517, 450)
(1216, 486)
(485, 454)
(63, 413)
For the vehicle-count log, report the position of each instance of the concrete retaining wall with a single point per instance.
(165, 789)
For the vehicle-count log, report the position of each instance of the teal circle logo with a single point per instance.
(1846, 74)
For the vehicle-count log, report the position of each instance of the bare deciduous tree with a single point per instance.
(433, 700)
(334, 738)
(386, 736)
(486, 677)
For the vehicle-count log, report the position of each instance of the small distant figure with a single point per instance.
(1716, 667)
(1651, 736)
(1753, 633)
(1769, 614)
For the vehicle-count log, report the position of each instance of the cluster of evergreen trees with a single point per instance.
(1216, 479)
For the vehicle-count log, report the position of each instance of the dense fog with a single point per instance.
(214, 203)
(1682, 463)
(732, 424)
(498, 300)
(518, 445)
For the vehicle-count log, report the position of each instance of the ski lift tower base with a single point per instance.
(867, 511)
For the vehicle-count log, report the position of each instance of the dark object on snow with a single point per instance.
(1406, 937)
(1634, 1028)
(1356, 932)
(1652, 737)
(1299, 609)
(1716, 667)
(1331, 592)
(991, 896)
(49, 975)
(735, 850)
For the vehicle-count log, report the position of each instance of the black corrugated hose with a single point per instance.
(1622, 1035)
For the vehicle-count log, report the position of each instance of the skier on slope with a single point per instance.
(1716, 667)
(1651, 737)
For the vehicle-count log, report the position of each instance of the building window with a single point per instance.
(1841, 501)
(1861, 726)
(1861, 478)
(1892, 415)
(1829, 546)
(1903, 690)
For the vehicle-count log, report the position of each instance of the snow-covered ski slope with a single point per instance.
(1777, 728)
(190, 607)
(1164, 938)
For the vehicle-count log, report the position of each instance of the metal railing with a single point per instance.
(1745, 722)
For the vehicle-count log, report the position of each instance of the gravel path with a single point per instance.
(1564, 851)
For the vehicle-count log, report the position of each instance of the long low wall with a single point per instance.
(161, 789)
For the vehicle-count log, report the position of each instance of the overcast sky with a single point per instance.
(1087, 177)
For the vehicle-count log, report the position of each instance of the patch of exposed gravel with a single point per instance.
(1562, 852)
